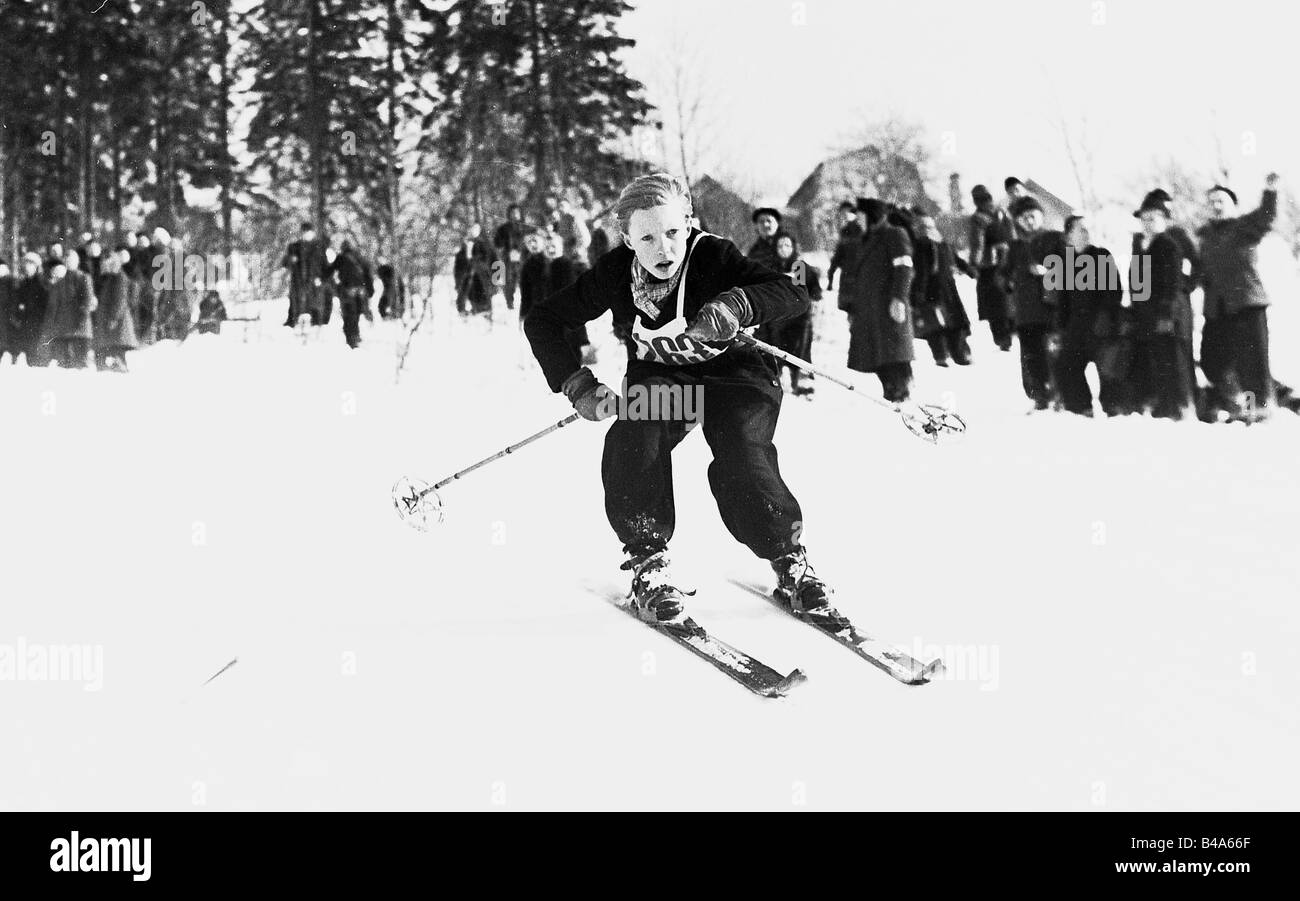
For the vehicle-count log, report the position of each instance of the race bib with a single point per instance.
(670, 345)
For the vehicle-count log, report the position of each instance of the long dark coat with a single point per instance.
(936, 305)
(113, 319)
(473, 274)
(24, 314)
(876, 291)
(1028, 290)
(1161, 273)
(534, 282)
(71, 302)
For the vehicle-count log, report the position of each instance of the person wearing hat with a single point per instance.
(67, 329)
(988, 233)
(1014, 189)
(1234, 341)
(305, 260)
(24, 310)
(141, 272)
(767, 223)
(113, 323)
(1161, 280)
(356, 284)
(1035, 319)
(849, 229)
(876, 293)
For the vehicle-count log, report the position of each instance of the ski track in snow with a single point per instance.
(1114, 600)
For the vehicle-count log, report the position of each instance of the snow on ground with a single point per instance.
(1116, 600)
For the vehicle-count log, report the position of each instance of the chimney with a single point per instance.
(955, 199)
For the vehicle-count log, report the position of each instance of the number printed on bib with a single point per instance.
(669, 343)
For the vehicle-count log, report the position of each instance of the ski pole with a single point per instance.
(417, 502)
(928, 421)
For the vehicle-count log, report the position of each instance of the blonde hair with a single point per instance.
(648, 191)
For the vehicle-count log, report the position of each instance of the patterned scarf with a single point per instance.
(650, 293)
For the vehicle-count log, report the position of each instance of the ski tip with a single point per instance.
(795, 679)
(927, 672)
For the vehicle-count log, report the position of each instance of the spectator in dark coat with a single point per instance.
(92, 260)
(508, 240)
(571, 223)
(392, 303)
(24, 312)
(1036, 321)
(876, 294)
(767, 224)
(356, 283)
(599, 243)
(938, 315)
(989, 230)
(472, 270)
(305, 260)
(212, 312)
(849, 229)
(795, 334)
(535, 274)
(67, 331)
(175, 304)
(1160, 285)
(113, 323)
(1234, 341)
(562, 271)
(1085, 287)
(142, 271)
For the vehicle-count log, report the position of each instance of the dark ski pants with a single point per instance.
(740, 410)
(1036, 365)
(1234, 358)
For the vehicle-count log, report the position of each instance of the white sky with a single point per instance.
(1154, 78)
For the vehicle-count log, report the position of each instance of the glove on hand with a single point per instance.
(721, 318)
(593, 400)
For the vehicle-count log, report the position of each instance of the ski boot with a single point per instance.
(798, 587)
(655, 597)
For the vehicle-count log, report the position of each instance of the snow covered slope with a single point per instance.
(1116, 600)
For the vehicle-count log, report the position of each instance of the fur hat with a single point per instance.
(902, 218)
(1023, 205)
(875, 210)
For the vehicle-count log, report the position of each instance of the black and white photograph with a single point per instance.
(449, 406)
